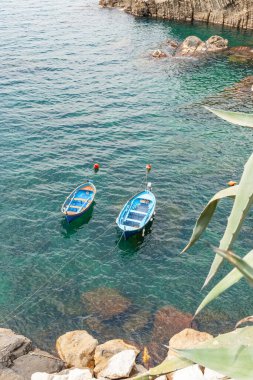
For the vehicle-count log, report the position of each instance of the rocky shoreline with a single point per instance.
(238, 14)
(81, 357)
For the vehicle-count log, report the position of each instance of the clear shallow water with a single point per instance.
(77, 86)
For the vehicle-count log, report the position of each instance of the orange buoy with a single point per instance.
(96, 167)
(148, 167)
(232, 183)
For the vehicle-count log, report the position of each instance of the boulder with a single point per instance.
(8, 374)
(209, 374)
(104, 352)
(194, 46)
(192, 372)
(12, 346)
(119, 365)
(77, 348)
(191, 46)
(216, 43)
(105, 302)
(68, 374)
(159, 54)
(170, 321)
(187, 338)
(36, 361)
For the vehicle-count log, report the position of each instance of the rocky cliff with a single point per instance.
(236, 13)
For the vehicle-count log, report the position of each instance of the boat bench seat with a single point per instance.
(80, 200)
(133, 220)
(139, 212)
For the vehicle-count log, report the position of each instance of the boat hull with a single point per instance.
(79, 202)
(137, 214)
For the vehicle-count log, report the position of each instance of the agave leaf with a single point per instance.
(244, 320)
(237, 118)
(168, 365)
(230, 354)
(208, 212)
(241, 206)
(230, 279)
(240, 264)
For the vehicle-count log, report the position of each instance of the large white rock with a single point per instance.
(120, 365)
(68, 374)
(192, 372)
(209, 374)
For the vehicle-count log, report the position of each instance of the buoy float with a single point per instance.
(96, 167)
(232, 183)
(148, 167)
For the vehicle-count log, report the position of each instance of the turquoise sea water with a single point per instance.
(77, 85)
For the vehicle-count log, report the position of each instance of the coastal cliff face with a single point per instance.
(235, 13)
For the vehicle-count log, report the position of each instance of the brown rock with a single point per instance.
(159, 54)
(168, 322)
(192, 45)
(77, 348)
(187, 338)
(105, 302)
(216, 43)
(238, 14)
(104, 352)
(241, 54)
(157, 353)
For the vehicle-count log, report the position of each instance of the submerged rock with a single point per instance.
(35, 361)
(136, 321)
(170, 321)
(12, 346)
(77, 348)
(105, 302)
(104, 352)
(241, 54)
(187, 338)
(119, 365)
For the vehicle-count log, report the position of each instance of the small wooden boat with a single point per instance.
(137, 213)
(79, 201)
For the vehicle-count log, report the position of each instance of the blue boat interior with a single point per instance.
(135, 215)
(81, 200)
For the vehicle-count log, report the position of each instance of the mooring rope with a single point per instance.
(13, 314)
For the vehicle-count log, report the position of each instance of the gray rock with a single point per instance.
(8, 374)
(36, 361)
(12, 346)
(120, 365)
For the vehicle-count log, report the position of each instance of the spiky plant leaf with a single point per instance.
(241, 206)
(208, 212)
(238, 262)
(237, 118)
(229, 280)
(230, 354)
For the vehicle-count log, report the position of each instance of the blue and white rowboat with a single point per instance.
(79, 201)
(137, 212)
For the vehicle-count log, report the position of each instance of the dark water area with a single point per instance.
(77, 85)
